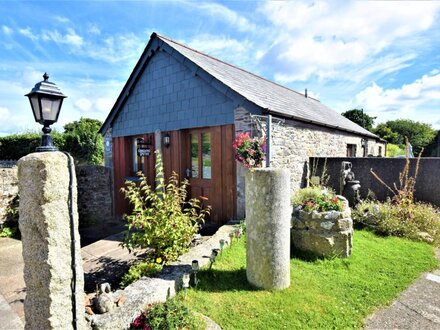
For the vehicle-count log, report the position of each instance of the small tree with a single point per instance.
(162, 219)
(359, 117)
(83, 141)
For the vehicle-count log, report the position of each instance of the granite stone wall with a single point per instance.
(293, 143)
(8, 190)
(95, 204)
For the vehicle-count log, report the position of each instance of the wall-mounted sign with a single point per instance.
(144, 151)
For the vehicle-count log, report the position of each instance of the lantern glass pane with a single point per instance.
(50, 108)
(35, 107)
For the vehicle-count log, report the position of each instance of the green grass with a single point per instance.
(325, 294)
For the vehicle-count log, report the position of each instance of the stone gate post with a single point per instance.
(50, 256)
(268, 214)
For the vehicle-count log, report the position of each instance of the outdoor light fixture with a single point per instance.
(214, 254)
(166, 140)
(231, 236)
(46, 100)
(222, 244)
(185, 280)
(195, 268)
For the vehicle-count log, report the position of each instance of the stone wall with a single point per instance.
(427, 184)
(95, 204)
(293, 143)
(8, 189)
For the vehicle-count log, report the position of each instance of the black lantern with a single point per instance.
(46, 100)
(166, 140)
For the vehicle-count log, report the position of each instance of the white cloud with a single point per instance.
(27, 32)
(83, 105)
(105, 104)
(418, 100)
(218, 11)
(62, 19)
(7, 30)
(325, 40)
(225, 48)
(4, 113)
(70, 38)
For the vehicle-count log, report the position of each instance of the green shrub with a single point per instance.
(317, 198)
(173, 314)
(8, 232)
(139, 270)
(162, 219)
(18, 145)
(416, 221)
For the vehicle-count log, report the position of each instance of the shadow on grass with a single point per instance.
(221, 280)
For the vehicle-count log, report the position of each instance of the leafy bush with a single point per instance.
(317, 198)
(8, 232)
(417, 221)
(401, 216)
(19, 145)
(394, 150)
(173, 314)
(162, 220)
(139, 270)
(83, 141)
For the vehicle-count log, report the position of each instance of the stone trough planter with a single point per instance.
(324, 234)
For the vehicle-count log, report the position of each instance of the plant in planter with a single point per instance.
(249, 151)
(321, 223)
(173, 314)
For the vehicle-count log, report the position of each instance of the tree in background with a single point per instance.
(387, 134)
(83, 142)
(419, 134)
(359, 117)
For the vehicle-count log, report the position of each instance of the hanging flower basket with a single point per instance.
(249, 151)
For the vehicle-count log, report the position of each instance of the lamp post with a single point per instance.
(46, 100)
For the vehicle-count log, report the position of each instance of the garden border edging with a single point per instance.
(157, 289)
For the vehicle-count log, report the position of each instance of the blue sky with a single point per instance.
(381, 56)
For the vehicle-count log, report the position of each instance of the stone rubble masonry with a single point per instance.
(324, 234)
(268, 214)
(95, 189)
(47, 242)
(293, 143)
(95, 203)
(8, 189)
(155, 290)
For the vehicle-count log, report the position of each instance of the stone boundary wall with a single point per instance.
(8, 189)
(95, 189)
(427, 184)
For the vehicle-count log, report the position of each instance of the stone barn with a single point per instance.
(190, 106)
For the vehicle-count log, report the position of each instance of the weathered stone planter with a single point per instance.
(324, 234)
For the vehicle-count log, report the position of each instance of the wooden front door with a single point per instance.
(204, 170)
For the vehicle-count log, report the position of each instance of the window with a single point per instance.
(194, 156)
(201, 150)
(380, 151)
(351, 150)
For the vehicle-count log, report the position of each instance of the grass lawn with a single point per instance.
(337, 293)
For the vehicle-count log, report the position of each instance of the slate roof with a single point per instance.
(271, 97)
